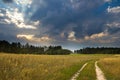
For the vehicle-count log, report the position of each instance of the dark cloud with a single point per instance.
(7, 1)
(114, 3)
(89, 18)
(60, 14)
(113, 30)
(60, 17)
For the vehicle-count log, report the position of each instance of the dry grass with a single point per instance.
(88, 73)
(40, 67)
(49, 67)
(111, 67)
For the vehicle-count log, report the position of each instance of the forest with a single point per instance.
(99, 50)
(18, 48)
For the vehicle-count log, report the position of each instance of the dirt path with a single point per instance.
(99, 73)
(77, 74)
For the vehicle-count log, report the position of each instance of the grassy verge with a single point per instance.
(88, 73)
(111, 67)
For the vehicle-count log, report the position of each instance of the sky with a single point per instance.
(73, 24)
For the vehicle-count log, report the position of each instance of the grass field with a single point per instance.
(111, 67)
(88, 72)
(56, 67)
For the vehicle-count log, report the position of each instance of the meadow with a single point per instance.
(111, 67)
(56, 67)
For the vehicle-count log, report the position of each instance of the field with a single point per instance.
(57, 67)
(111, 67)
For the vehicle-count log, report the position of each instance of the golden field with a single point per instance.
(52, 67)
(111, 67)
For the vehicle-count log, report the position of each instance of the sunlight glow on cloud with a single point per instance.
(15, 13)
(1, 15)
(95, 36)
(29, 37)
(114, 9)
(7, 21)
(71, 36)
(24, 2)
(35, 39)
(17, 18)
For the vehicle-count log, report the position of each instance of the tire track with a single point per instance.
(99, 73)
(77, 74)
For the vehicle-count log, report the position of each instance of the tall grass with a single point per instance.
(111, 67)
(88, 73)
(45, 67)
(40, 67)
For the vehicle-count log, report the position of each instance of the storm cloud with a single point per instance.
(7, 1)
(76, 22)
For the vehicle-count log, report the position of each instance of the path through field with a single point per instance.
(99, 73)
(77, 74)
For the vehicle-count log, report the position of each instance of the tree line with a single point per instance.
(98, 50)
(18, 48)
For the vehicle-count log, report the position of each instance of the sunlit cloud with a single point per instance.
(114, 9)
(1, 15)
(29, 37)
(17, 14)
(23, 3)
(7, 21)
(17, 18)
(71, 36)
(35, 39)
(96, 36)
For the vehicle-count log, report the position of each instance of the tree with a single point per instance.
(17, 47)
(102, 50)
